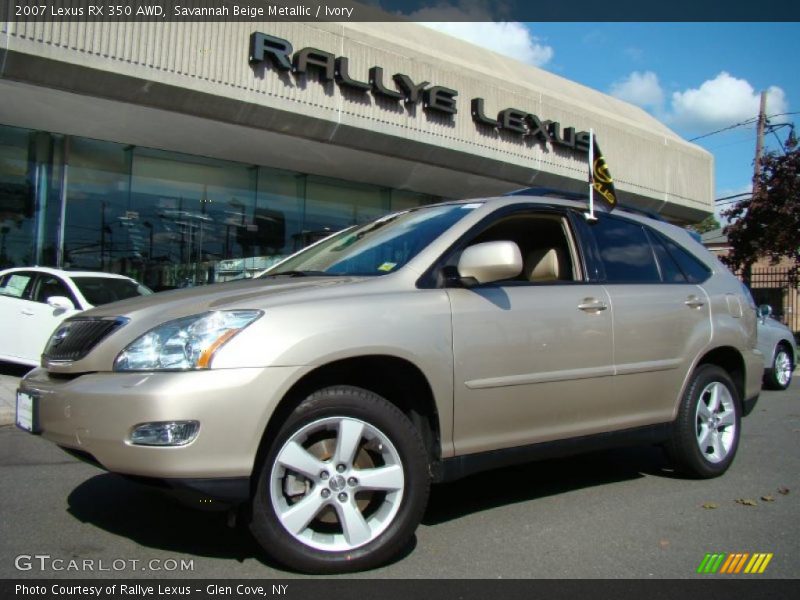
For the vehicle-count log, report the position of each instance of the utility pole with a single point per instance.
(747, 271)
(762, 121)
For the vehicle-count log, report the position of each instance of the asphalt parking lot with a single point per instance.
(615, 514)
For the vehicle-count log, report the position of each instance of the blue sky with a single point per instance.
(695, 77)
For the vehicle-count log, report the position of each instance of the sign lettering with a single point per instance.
(279, 54)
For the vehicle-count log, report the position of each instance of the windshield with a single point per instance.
(102, 290)
(376, 248)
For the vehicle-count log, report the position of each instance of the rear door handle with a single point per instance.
(592, 305)
(27, 312)
(694, 302)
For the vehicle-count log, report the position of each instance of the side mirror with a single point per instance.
(764, 311)
(60, 303)
(490, 261)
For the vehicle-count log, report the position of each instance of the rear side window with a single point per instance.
(694, 270)
(670, 270)
(625, 251)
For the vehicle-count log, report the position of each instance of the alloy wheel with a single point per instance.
(783, 368)
(715, 420)
(337, 484)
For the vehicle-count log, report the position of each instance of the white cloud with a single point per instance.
(724, 100)
(509, 38)
(718, 102)
(641, 89)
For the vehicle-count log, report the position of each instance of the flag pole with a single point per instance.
(591, 216)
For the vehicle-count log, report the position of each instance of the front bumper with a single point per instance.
(95, 413)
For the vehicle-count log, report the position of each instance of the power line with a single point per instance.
(784, 114)
(734, 196)
(728, 203)
(748, 140)
(742, 124)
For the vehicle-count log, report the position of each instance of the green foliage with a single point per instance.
(710, 223)
(768, 224)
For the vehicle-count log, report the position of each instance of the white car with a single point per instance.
(776, 342)
(35, 300)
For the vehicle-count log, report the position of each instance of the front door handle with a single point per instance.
(27, 312)
(592, 305)
(694, 302)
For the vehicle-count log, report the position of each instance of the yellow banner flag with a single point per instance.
(600, 178)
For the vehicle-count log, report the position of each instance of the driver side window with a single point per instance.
(49, 286)
(545, 243)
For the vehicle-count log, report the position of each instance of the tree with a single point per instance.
(768, 224)
(710, 223)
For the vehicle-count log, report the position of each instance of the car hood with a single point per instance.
(774, 325)
(247, 294)
(143, 313)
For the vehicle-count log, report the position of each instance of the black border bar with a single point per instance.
(259, 11)
(707, 588)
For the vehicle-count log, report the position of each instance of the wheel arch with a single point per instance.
(729, 359)
(396, 379)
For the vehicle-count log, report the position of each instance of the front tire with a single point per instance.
(705, 435)
(780, 375)
(344, 484)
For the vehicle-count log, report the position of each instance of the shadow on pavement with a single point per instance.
(530, 481)
(154, 520)
(151, 518)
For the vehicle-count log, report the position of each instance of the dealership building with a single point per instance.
(189, 152)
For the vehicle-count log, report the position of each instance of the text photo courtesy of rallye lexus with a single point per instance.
(323, 398)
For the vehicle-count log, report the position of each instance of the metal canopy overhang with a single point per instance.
(41, 93)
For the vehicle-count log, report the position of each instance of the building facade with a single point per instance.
(185, 153)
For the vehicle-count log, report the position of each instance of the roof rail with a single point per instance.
(581, 197)
(543, 191)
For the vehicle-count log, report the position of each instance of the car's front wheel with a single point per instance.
(780, 375)
(344, 484)
(705, 435)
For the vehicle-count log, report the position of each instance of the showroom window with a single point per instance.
(30, 175)
(164, 218)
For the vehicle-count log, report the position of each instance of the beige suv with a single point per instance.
(324, 397)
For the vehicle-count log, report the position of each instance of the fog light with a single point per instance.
(165, 433)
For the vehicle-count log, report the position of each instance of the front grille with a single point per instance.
(76, 337)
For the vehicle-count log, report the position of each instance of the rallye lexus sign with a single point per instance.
(279, 53)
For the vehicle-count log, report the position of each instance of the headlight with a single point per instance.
(182, 344)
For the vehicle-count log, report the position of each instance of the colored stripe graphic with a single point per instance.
(703, 563)
(728, 563)
(734, 563)
(718, 563)
(758, 563)
(737, 562)
(764, 564)
(711, 563)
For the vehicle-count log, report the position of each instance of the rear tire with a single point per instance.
(779, 376)
(705, 434)
(344, 484)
